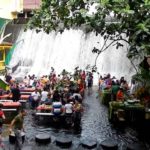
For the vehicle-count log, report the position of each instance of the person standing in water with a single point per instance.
(15, 92)
(2, 117)
(18, 128)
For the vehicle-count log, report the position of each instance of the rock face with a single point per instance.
(109, 144)
(89, 143)
(64, 142)
(43, 138)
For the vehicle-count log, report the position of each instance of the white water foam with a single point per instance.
(39, 52)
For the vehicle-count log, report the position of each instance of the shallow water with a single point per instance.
(95, 125)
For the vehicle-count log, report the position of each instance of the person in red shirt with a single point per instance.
(2, 117)
(120, 95)
(81, 87)
(83, 75)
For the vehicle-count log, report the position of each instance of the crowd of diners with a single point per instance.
(121, 90)
(68, 89)
(65, 87)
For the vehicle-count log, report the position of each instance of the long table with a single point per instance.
(105, 97)
(6, 96)
(44, 108)
(131, 110)
(10, 104)
(26, 93)
(10, 109)
(27, 90)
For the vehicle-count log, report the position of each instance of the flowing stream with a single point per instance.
(94, 125)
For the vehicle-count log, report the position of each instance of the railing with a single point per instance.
(5, 100)
(44, 114)
(9, 109)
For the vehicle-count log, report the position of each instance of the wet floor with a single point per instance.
(95, 125)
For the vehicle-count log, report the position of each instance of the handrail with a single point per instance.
(22, 101)
(44, 114)
(5, 100)
(9, 109)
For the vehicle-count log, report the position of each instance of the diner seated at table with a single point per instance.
(48, 100)
(69, 108)
(114, 90)
(120, 95)
(35, 96)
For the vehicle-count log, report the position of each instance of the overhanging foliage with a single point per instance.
(110, 18)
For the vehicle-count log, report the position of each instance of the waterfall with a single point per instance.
(40, 51)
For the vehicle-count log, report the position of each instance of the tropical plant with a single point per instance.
(2, 31)
(142, 93)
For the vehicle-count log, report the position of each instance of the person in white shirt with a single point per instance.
(26, 81)
(44, 95)
(35, 98)
(133, 88)
(31, 81)
(77, 96)
(68, 108)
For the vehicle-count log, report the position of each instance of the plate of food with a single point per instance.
(131, 101)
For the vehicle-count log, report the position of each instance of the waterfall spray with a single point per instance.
(9, 55)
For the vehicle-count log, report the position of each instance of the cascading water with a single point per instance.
(40, 51)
